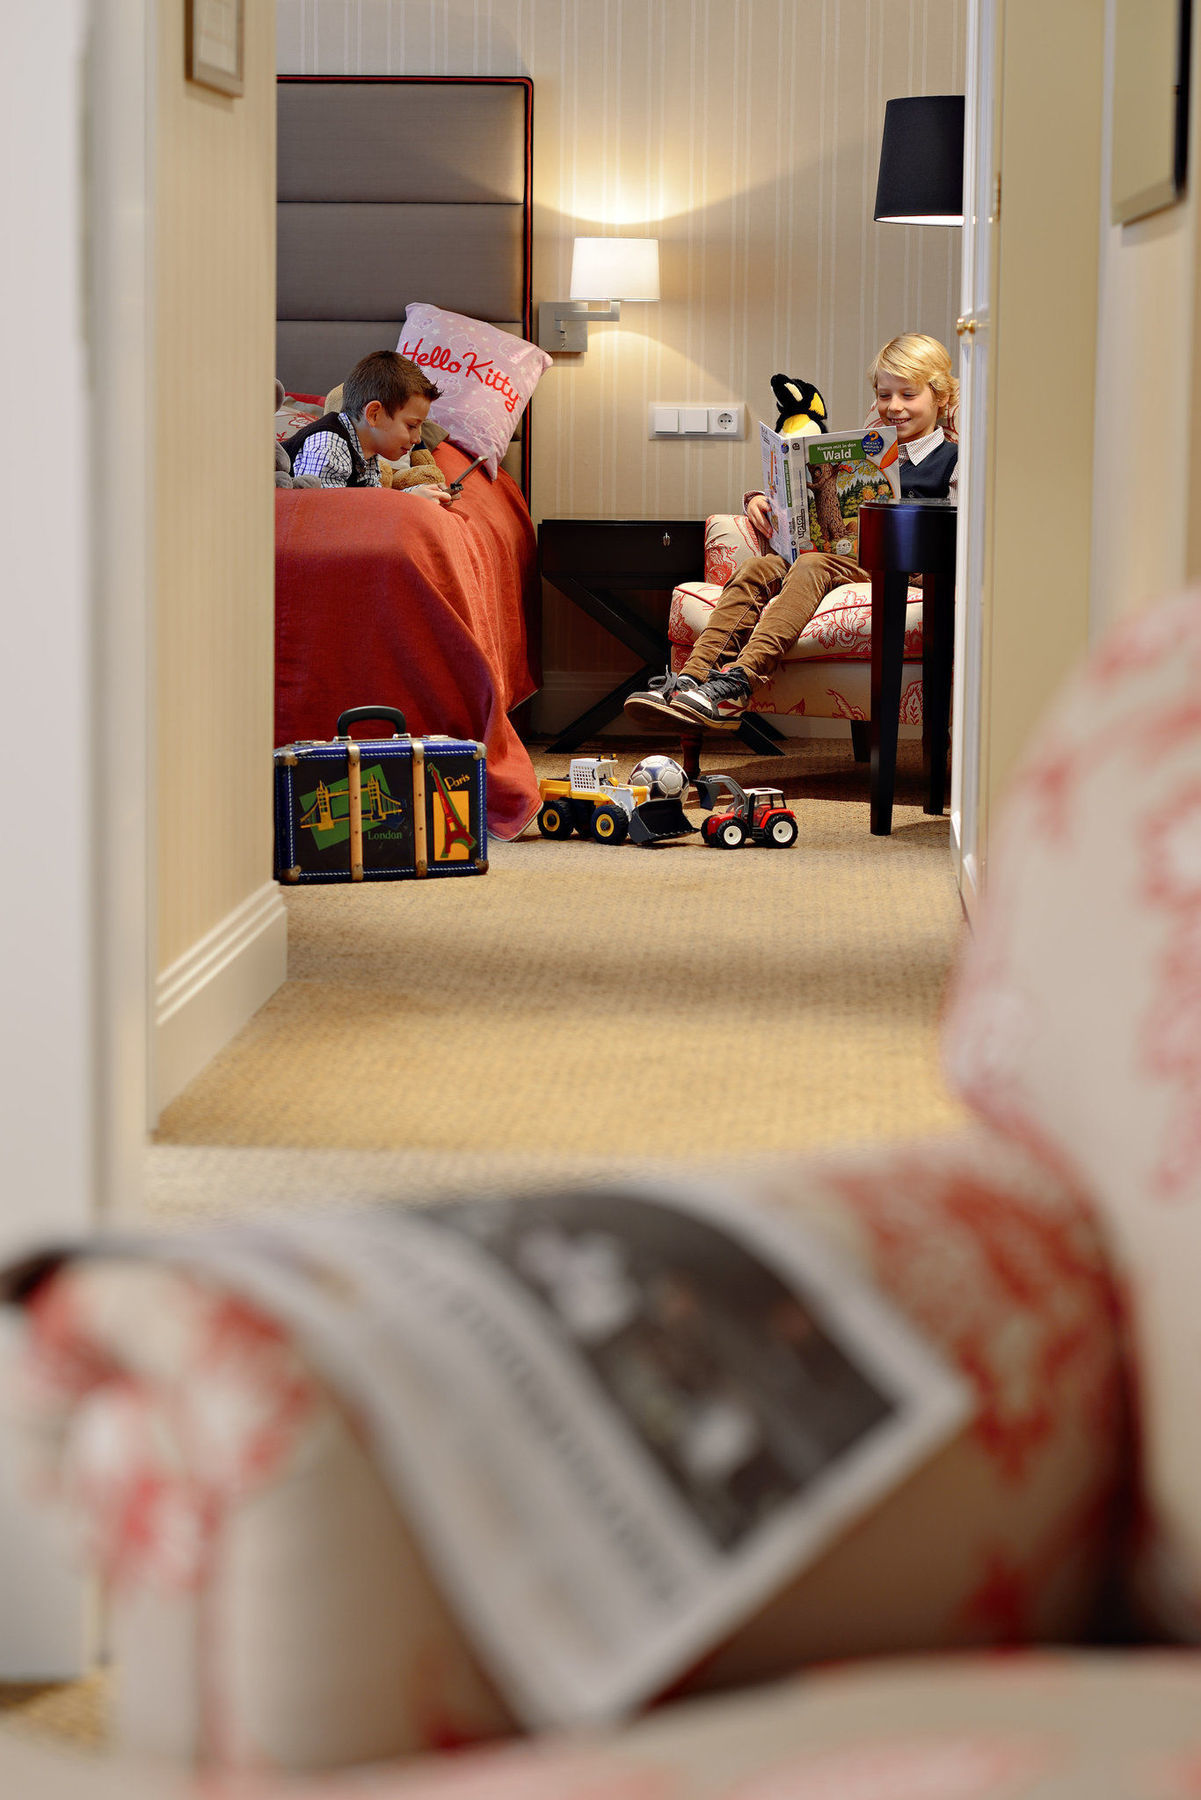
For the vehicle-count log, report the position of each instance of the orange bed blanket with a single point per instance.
(383, 597)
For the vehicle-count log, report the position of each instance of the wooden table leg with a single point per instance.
(890, 595)
(938, 641)
(690, 754)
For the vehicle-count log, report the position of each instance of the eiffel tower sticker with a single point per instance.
(451, 820)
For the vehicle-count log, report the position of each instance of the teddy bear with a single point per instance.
(414, 470)
(802, 409)
(284, 477)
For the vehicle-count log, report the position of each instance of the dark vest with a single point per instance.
(333, 422)
(931, 478)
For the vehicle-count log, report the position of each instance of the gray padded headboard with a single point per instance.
(393, 189)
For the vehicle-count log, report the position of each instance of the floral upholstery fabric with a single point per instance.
(200, 1469)
(153, 1406)
(1005, 1537)
(1041, 1726)
(205, 1466)
(824, 690)
(1076, 1022)
(827, 674)
(841, 628)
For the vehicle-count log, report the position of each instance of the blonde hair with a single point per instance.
(914, 357)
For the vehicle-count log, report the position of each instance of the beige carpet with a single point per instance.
(74, 1712)
(579, 1009)
(585, 1007)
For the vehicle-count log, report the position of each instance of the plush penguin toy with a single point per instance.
(802, 409)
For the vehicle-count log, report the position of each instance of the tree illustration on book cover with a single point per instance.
(844, 471)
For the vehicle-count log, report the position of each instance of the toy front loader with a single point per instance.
(656, 820)
(709, 788)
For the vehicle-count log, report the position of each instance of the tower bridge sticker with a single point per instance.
(326, 812)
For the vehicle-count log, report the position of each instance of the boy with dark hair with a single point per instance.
(385, 399)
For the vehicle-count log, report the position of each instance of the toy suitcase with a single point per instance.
(379, 809)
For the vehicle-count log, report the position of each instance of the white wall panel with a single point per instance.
(214, 352)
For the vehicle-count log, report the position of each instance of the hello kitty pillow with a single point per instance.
(486, 376)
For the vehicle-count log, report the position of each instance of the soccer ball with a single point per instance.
(661, 776)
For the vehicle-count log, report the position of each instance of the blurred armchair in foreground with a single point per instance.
(274, 1602)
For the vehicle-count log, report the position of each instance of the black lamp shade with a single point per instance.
(921, 161)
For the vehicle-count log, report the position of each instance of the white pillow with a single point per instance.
(297, 411)
(486, 376)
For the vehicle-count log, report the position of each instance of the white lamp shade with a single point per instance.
(615, 269)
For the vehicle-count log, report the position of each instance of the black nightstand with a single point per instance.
(591, 562)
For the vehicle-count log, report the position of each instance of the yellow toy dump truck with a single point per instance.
(591, 802)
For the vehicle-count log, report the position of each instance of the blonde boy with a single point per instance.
(766, 605)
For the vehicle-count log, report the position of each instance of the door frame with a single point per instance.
(977, 286)
(76, 903)
(1034, 594)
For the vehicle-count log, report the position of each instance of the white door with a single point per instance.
(73, 902)
(980, 210)
(47, 989)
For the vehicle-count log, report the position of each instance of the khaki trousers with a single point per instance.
(763, 610)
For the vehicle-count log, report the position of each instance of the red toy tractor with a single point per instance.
(755, 815)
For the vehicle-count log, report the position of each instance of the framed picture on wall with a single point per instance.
(1150, 106)
(216, 39)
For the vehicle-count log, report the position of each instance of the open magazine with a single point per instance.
(617, 1420)
(817, 483)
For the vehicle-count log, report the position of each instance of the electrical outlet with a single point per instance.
(726, 421)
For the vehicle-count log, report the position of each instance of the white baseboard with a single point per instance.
(565, 694)
(206, 996)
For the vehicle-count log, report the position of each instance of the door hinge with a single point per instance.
(996, 196)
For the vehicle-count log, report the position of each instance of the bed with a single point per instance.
(395, 191)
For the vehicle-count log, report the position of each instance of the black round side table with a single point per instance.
(897, 539)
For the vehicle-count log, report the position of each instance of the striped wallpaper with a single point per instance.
(742, 133)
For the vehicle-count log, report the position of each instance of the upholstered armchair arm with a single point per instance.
(730, 539)
(271, 1603)
(267, 1603)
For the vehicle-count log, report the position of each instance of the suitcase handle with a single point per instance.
(357, 713)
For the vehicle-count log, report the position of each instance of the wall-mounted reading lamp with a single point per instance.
(921, 161)
(606, 269)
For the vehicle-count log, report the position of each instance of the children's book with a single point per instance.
(816, 485)
(785, 484)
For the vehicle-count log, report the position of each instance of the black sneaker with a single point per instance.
(652, 707)
(720, 701)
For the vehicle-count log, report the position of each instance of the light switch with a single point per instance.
(725, 421)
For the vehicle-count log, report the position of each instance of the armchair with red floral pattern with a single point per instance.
(273, 1608)
(827, 674)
